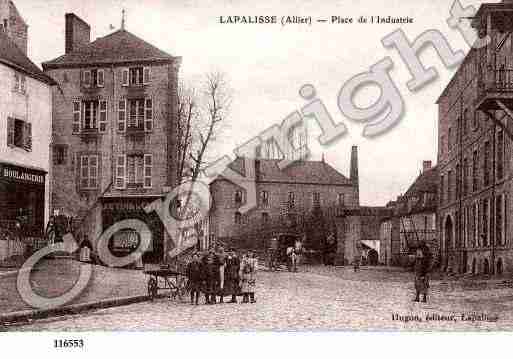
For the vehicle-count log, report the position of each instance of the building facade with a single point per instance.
(287, 200)
(474, 152)
(25, 127)
(413, 220)
(114, 131)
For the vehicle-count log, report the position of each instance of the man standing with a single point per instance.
(221, 261)
(211, 267)
(422, 268)
(195, 276)
(231, 276)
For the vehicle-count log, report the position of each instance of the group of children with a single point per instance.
(220, 274)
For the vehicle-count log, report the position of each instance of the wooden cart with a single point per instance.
(166, 279)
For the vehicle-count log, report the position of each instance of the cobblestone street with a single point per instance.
(314, 299)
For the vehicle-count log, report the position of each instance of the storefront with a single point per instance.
(125, 241)
(22, 199)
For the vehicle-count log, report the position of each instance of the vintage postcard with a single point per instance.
(282, 166)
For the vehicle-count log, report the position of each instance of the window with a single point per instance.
(140, 114)
(340, 199)
(449, 139)
(265, 217)
(135, 169)
(264, 198)
(442, 192)
(238, 198)
(316, 199)
(93, 78)
(475, 160)
(449, 186)
(465, 122)
(19, 134)
(60, 154)
(291, 200)
(465, 176)
(486, 164)
(120, 181)
(20, 83)
(89, 171)
(499, 225)
(89, 115)
(136, 76)
(148, 170)
(122, 115)
(475, 124)
(238, 218)
(77, 115)
(442, 144)
(500, 154)
(485, 222)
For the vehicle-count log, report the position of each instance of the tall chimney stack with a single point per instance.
(78, 33)
(354, 172)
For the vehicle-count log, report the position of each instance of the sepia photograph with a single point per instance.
(222, 166)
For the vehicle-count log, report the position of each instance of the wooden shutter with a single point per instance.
(77, 114)
(148, 170)
(120, 182)
(125, 77)
(27, 136)
(87, 78)
(148, 115)
(84, 172)
(122, 115)
(102, 123)
(100, 78)
(93, 171)
(146, 75)
(10, 131)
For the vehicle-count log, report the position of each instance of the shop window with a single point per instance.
(60, 154)
(89, 171)
(19, 134)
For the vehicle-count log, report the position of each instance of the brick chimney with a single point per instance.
(78, 33)
(426, 165)
(354, 172)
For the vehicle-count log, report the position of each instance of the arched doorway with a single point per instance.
(486, 266)
(499, 266)
(474, 266)
(448, 236)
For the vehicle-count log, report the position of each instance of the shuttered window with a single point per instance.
(146, 79)
(148, 115)
(87, 78)
(102, 123)
(120, 182)
(148, 170)
(122, 115)
(124, 77)
(77, 114)
(19, 134)
(100, 78)
(89, 171)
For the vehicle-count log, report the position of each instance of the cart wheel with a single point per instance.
(152, 288)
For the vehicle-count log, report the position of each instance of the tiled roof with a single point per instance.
(427, 181)
(422, 196)
(119, 47)
(12, 56)
(304, 172)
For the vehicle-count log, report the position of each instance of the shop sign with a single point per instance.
(21, 174)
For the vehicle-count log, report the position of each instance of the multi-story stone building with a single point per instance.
(474, 151)
(286, 198)
(413, 219)
(25, 128)
(114, 130)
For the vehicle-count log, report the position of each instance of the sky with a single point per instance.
(266, 65)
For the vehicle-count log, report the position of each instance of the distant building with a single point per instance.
(474, 152)
(25, 127)
(286, 199)
(114, 132)
(413, 220)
